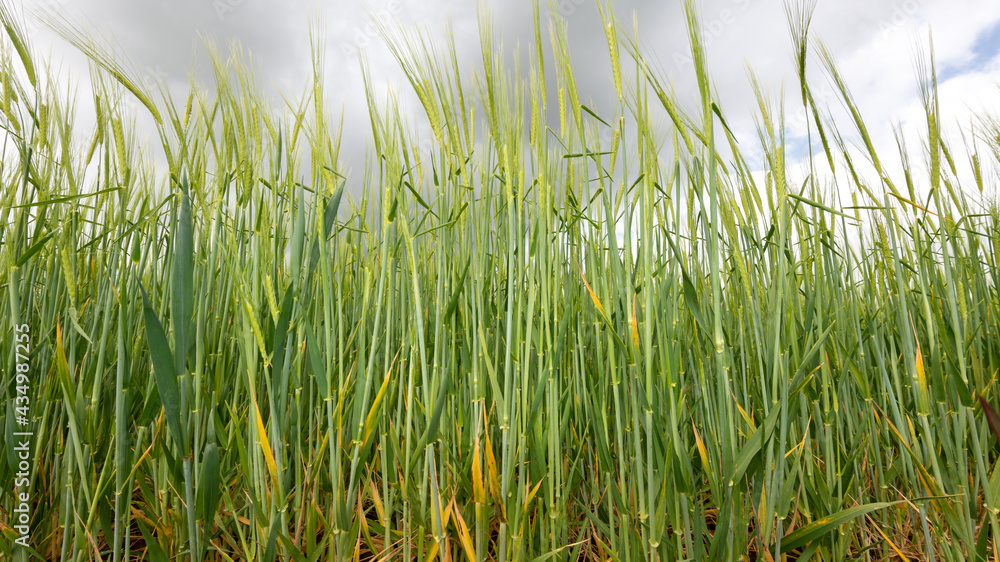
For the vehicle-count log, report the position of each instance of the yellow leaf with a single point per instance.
(762, 510)
(491, 471)
(531, 495)
(921, 375)
(635, 325)
(463, 532)
(432, 553)
(478, 492)
(379, 509)
(746, 417)
(597, 302)
(884, 536)
(264, 444)
(61, 361)
(702, 452)
(372, 415)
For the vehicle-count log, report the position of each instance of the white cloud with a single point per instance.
(873, 43)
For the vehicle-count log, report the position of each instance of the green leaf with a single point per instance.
(316, 362)
(281, 333)
(754, 445)
(163, 369)
(153, 548)
(453, 302)
(210, 485)
(329, 216)
(298, 236)
(805, 535)
(419, 199)
(66, 199)
(690, 293)
(594, 115)
(34, 249)
(291, 549)
(691, 299)
(183, 282)
(812, 203)
(991, 417)
(434, 424)
(718, 113)
(269, 550)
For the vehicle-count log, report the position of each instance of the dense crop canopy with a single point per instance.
(551, 335)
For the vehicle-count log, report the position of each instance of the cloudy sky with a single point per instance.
(874, 42)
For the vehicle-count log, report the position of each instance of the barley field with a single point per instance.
(557, 335)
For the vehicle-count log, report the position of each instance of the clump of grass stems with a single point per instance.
(524, 344)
